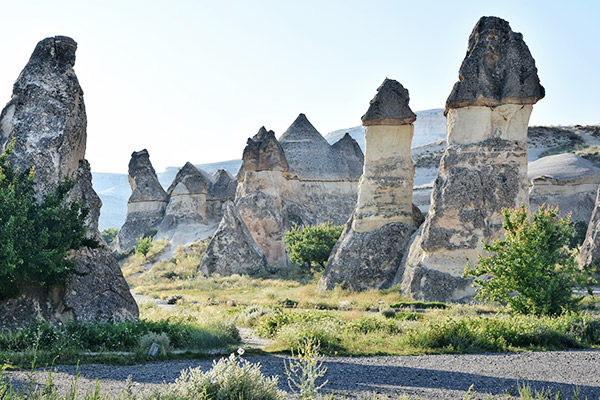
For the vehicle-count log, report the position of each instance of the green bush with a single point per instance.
(37, 230)
(311, 244)
(500, 333)
(109, 234)
(123, 336)
(229, 378)
(144, 246)
(419, 304)
(368, 325)
(531, 269)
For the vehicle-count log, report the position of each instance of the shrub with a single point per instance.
(144, 246)
(37, 230)
(229, 378)
(150, 338)
(312, 244)
(109, 234)
(531, 269)
(305, 369)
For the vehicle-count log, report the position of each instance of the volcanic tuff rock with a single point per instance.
(589, 255)
(147, 203)
(567, 181)
(46, 117)
(371, 248)
(498, 69)
(484, 167)
(302, 181)
(263, 153)
(232, 249)
(310, 156)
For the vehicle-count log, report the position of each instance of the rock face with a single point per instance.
(589, 255)
(484, 167)
(297, 180)
(371, 248)
(232, 249)
(567, 181)
(46, 118)
(147, 203)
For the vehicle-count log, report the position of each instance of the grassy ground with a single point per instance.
(287, 307)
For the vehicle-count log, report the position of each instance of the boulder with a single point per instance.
(484, 166)
(372, 246)
(567, 181)
(232, 249)
(46, 118)
(147, 204)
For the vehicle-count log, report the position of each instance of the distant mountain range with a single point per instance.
(114, 189)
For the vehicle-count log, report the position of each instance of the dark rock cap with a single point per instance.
(389, 106)
(263, 153)
(302, 130)
(498, 69)
(194, 179)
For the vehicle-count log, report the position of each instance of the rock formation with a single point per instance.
(589, 254)
(484, 167)
(189, 211)
(297, 180)
(567, 181)
(46, 118)
(232, 249)
(370, 250)
(147, 203)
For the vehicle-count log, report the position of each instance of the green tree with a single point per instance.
(144, 246)
(36, 231)
(109, 234)
(531, 269)
(311, 244)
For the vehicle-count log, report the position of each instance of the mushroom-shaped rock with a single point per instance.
(232, 249)
(484, 166)
(371, 248)
(498, 69)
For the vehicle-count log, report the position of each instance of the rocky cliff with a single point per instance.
(46, 118)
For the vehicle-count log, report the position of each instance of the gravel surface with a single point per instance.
(425, 377)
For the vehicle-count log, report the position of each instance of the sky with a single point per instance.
(192, 80)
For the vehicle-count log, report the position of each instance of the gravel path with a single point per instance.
(428, 377)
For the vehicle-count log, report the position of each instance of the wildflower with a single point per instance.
(213, 380)
(240, 351)
(231, 357)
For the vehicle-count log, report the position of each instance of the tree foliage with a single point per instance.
(311, 244)
(36, 231)
(109, 234)
(531, 269)
(144, 246)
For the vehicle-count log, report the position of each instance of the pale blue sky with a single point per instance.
(192, 80)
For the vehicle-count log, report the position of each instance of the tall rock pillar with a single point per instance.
(146, 205)
(372, 245)
(46, 119)
(484, 167)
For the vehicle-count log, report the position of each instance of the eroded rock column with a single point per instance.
(484, 167)
(146, 205)
(373, 243)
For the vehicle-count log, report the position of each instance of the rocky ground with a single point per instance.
(425, 377)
